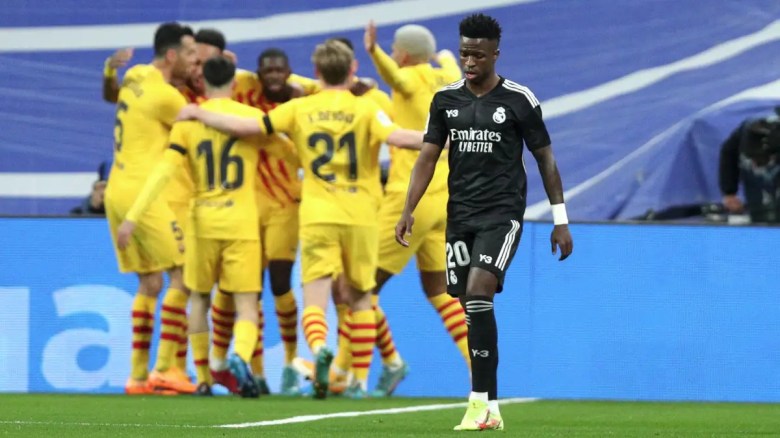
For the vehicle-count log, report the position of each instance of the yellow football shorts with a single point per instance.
(428, 233)
(158, 240)
(232, 264)
(327, 249)
(278, 231)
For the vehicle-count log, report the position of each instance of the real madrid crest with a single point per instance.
(500, 115)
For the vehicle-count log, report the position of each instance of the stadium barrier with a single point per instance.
(640, 312)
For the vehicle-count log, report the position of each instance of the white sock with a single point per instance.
(493, 406)
(217, 364)
(363, 384)
(396, 364)
(481, 396)
(315, 352)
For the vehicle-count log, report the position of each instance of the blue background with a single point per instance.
(673, 312)
(556, 48)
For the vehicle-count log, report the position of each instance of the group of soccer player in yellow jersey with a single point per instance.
(216, 198)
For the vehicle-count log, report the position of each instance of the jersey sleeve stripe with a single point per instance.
(454, 85)
(529, 95)
(178, 148)
(269, 128)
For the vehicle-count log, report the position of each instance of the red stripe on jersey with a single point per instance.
(142, 329)
(361, 326)
(137, 314)
(456, 325)
(141, 345)
(292, 338)
(266, 162)
(365, 340)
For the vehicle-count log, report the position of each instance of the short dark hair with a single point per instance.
(218, 71)
(347, 42)
(211, 37)
(273, 52)
(480, 26)
(168, 36)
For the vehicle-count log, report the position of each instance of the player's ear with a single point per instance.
(354, 67)
(171, 55)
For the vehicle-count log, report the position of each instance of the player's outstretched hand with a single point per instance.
(120, 58)
(561, 238)
(369, 38)
(189, 112)
(124, 233)
(404, 228)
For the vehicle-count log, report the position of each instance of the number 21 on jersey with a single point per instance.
(325, 144)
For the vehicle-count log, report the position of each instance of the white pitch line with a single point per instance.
(279, 422)
(393, 411)
(84, 424)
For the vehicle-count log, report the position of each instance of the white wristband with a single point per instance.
(559, 214)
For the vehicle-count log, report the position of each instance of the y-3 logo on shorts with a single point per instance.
(486, 259)
(452, 113)
(480, 353)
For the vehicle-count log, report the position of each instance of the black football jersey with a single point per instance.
(487, 179)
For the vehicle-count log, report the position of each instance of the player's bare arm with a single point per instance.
(118, 59)
(561, 237)
(233, 125)
(406, 139)
(422, 173)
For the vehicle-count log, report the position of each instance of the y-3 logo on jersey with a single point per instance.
(485, 258)
(500, 115)
(480, 353)
(452, 113)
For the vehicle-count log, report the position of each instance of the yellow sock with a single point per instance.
(315, 327)
(172, 321)
(143, 324)
(223, 314)
(363, 336)
(287, 315)
(200, 354)
(384, 337)
(181, 353)
(454, 318)
(258, 367)
(246, 339)
(343, 360)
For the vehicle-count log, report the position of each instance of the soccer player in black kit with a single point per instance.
(486, 118)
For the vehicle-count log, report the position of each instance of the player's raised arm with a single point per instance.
(154, 185)
(118, 59)
(233, 125)
(561, 237)
(387, 68)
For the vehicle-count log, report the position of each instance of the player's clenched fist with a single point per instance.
(404, 228)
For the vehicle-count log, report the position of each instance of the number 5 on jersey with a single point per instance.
(226, 163)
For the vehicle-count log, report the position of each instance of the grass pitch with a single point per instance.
(61, 415)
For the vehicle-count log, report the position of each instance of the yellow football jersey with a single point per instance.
(413, 88)
(277, 170)
(224, 205)
(337, 136)
(146, 109)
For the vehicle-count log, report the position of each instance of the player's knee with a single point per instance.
(280, 272)
(381, 278)
(150, 284)
(176, 278)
